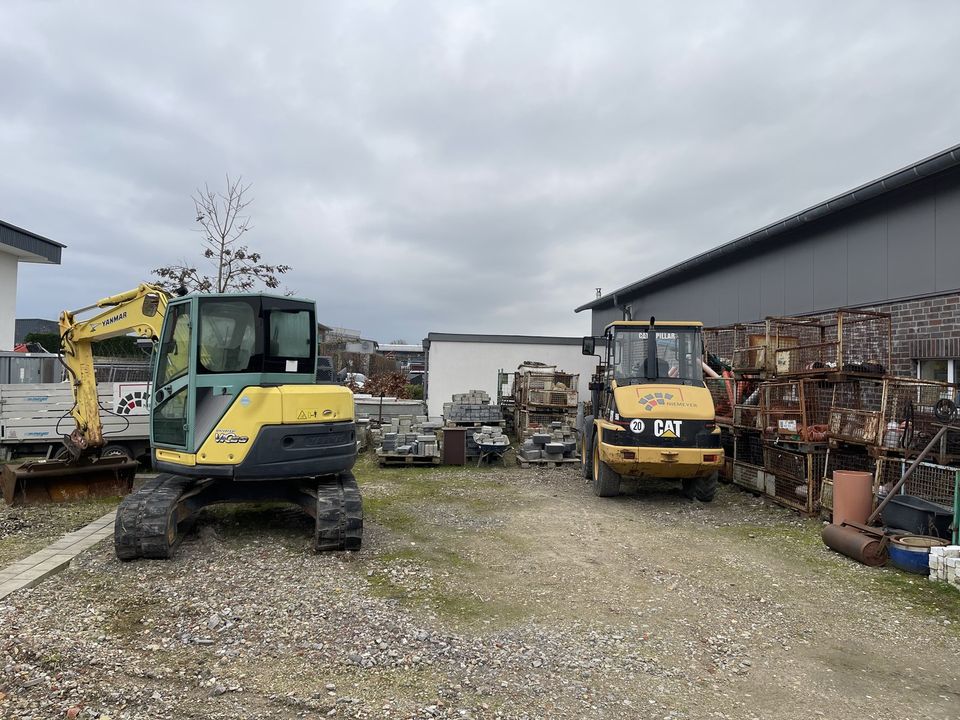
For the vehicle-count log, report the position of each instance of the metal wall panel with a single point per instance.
(771, 269)
(830, 270)
(911, 248)
(904, 243)
(798, 278)
(947, 232)
(867, 260)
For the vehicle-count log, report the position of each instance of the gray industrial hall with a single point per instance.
(891, 245)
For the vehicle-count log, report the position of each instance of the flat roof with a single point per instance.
(932, 165)
(503, 339)
(28, 246)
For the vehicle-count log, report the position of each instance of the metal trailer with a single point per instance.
(35, 416)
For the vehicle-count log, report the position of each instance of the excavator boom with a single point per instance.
(80, 472)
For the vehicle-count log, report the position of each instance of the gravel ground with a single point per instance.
(488, 594)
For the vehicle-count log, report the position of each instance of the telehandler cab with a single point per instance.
(653, 417)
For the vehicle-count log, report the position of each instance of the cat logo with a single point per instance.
(667, 428)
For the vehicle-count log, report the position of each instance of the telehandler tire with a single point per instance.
(703, 489)
(586, 461)
(606, 483)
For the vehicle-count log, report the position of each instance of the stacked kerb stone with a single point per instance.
(472, 409)
(558, 442)
(409, 435)
(945, 565)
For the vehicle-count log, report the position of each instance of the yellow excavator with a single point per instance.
(653, 417)
(235, 415)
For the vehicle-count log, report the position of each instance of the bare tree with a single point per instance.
(234, 267)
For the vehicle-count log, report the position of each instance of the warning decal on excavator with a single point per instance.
(667, 428)
(308, 415)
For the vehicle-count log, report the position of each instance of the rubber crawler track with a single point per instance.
(339, 523)
(144, 525)
(146, 528)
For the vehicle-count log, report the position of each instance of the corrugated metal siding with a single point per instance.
(903, 244)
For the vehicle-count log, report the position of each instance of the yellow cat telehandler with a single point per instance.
(653, 417)
(235, 415)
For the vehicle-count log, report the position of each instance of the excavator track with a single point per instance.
(147, 524)
(339, 520)
(151, 521)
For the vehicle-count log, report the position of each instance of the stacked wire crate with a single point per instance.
(543, 396)
(780, 381)
(885, 424)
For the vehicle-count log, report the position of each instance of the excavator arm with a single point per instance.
(139, 311)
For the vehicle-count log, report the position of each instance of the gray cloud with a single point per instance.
(452, 166)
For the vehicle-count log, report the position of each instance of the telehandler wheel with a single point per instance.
(606, 483)
(703, 489)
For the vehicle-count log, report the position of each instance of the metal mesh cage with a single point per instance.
(854, 342)
(795, 476)
(748, 476)
(750, 351)
(748, 448)
(528, 422)
(856, 412)
(908, 420)
(929, 481)
(748, 411)
(720, 342)
(797, 409)
(865, 341)
(801, 346)
(723, 393)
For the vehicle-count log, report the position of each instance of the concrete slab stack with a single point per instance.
(558, 443)
(473, 410)
(413, 435)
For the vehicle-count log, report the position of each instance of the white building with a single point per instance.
(458, 363)
(16, 246)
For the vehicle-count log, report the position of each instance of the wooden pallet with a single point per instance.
(546, 463)
(406, 460)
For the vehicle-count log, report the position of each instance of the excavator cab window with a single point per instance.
(174, 357)
(228, 335)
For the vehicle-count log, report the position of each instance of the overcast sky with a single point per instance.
(452, 166)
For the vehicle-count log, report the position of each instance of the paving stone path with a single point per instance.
(55, 557)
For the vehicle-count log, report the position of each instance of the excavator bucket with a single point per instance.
(44, 481)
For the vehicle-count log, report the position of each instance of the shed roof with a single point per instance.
(28, 246)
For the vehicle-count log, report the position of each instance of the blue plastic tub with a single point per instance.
(911, 553)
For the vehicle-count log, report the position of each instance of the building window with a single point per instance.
(939, 369)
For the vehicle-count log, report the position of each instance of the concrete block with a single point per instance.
(540, 438)
(554, 448)
(552, 456)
